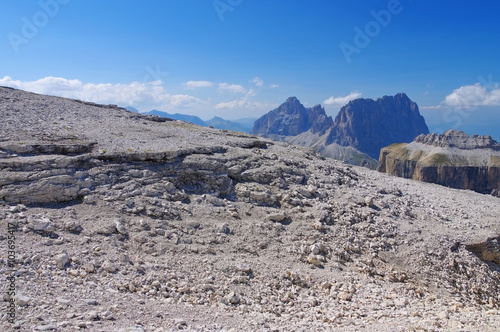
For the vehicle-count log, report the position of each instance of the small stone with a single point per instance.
(443, 315)
(48, 327)
(242, 267)
(81, 324)
(317, 249)
(63, 301)
(326, 285)
(62, 260)
(400, 302)
(233, 298)
(136, 328)
(42, 224)
(92, 315)
(279, 216)
(314, 261)
(22, 300)
(180, 322)
(63, 324)
(90, 301)
(345, 296)
(109, 267)
(120, 228)
(89, 268)
(13, 209)
(108, 315)
(73, 272)
(224, 229)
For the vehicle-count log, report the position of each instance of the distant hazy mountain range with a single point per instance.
(243, 125)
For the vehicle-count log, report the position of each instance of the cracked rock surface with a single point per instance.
(127, 223)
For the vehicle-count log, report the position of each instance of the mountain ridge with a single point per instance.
(360, 130)
(241, 125)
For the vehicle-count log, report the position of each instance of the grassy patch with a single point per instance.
(495, 161)
(439, 159)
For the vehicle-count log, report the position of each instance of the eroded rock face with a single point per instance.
(360, 130)
(458, 139)
(452, 159)
(369, 125)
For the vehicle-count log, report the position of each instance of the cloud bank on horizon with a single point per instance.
(153, 95)
(474, 95)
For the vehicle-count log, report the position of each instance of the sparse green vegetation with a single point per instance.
(495, 161)
(439, 159)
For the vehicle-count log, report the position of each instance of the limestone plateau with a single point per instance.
(126, 222)
(453, 159)
(359, 131)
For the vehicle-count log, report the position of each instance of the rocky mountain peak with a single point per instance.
(370, 125)
(458, 139)
(292, 99)
(292, 118)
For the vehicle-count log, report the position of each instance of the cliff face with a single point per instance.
(360, 130)
(369, 125)
(452, 159)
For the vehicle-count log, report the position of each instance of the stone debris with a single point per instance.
(178, 227)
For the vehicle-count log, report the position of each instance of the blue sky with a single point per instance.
(241, 58)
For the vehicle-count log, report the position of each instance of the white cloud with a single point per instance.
(437, 107)
(246, 102)
(145, 96)
(474, 95)
(274, 86)
(198, 84)
(257, 81)
(341, 101)
(233, 88)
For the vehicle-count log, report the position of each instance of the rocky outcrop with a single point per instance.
(453, 159)
(369, 125)
(460, 140)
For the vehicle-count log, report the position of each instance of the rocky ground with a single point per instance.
(126, 223)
